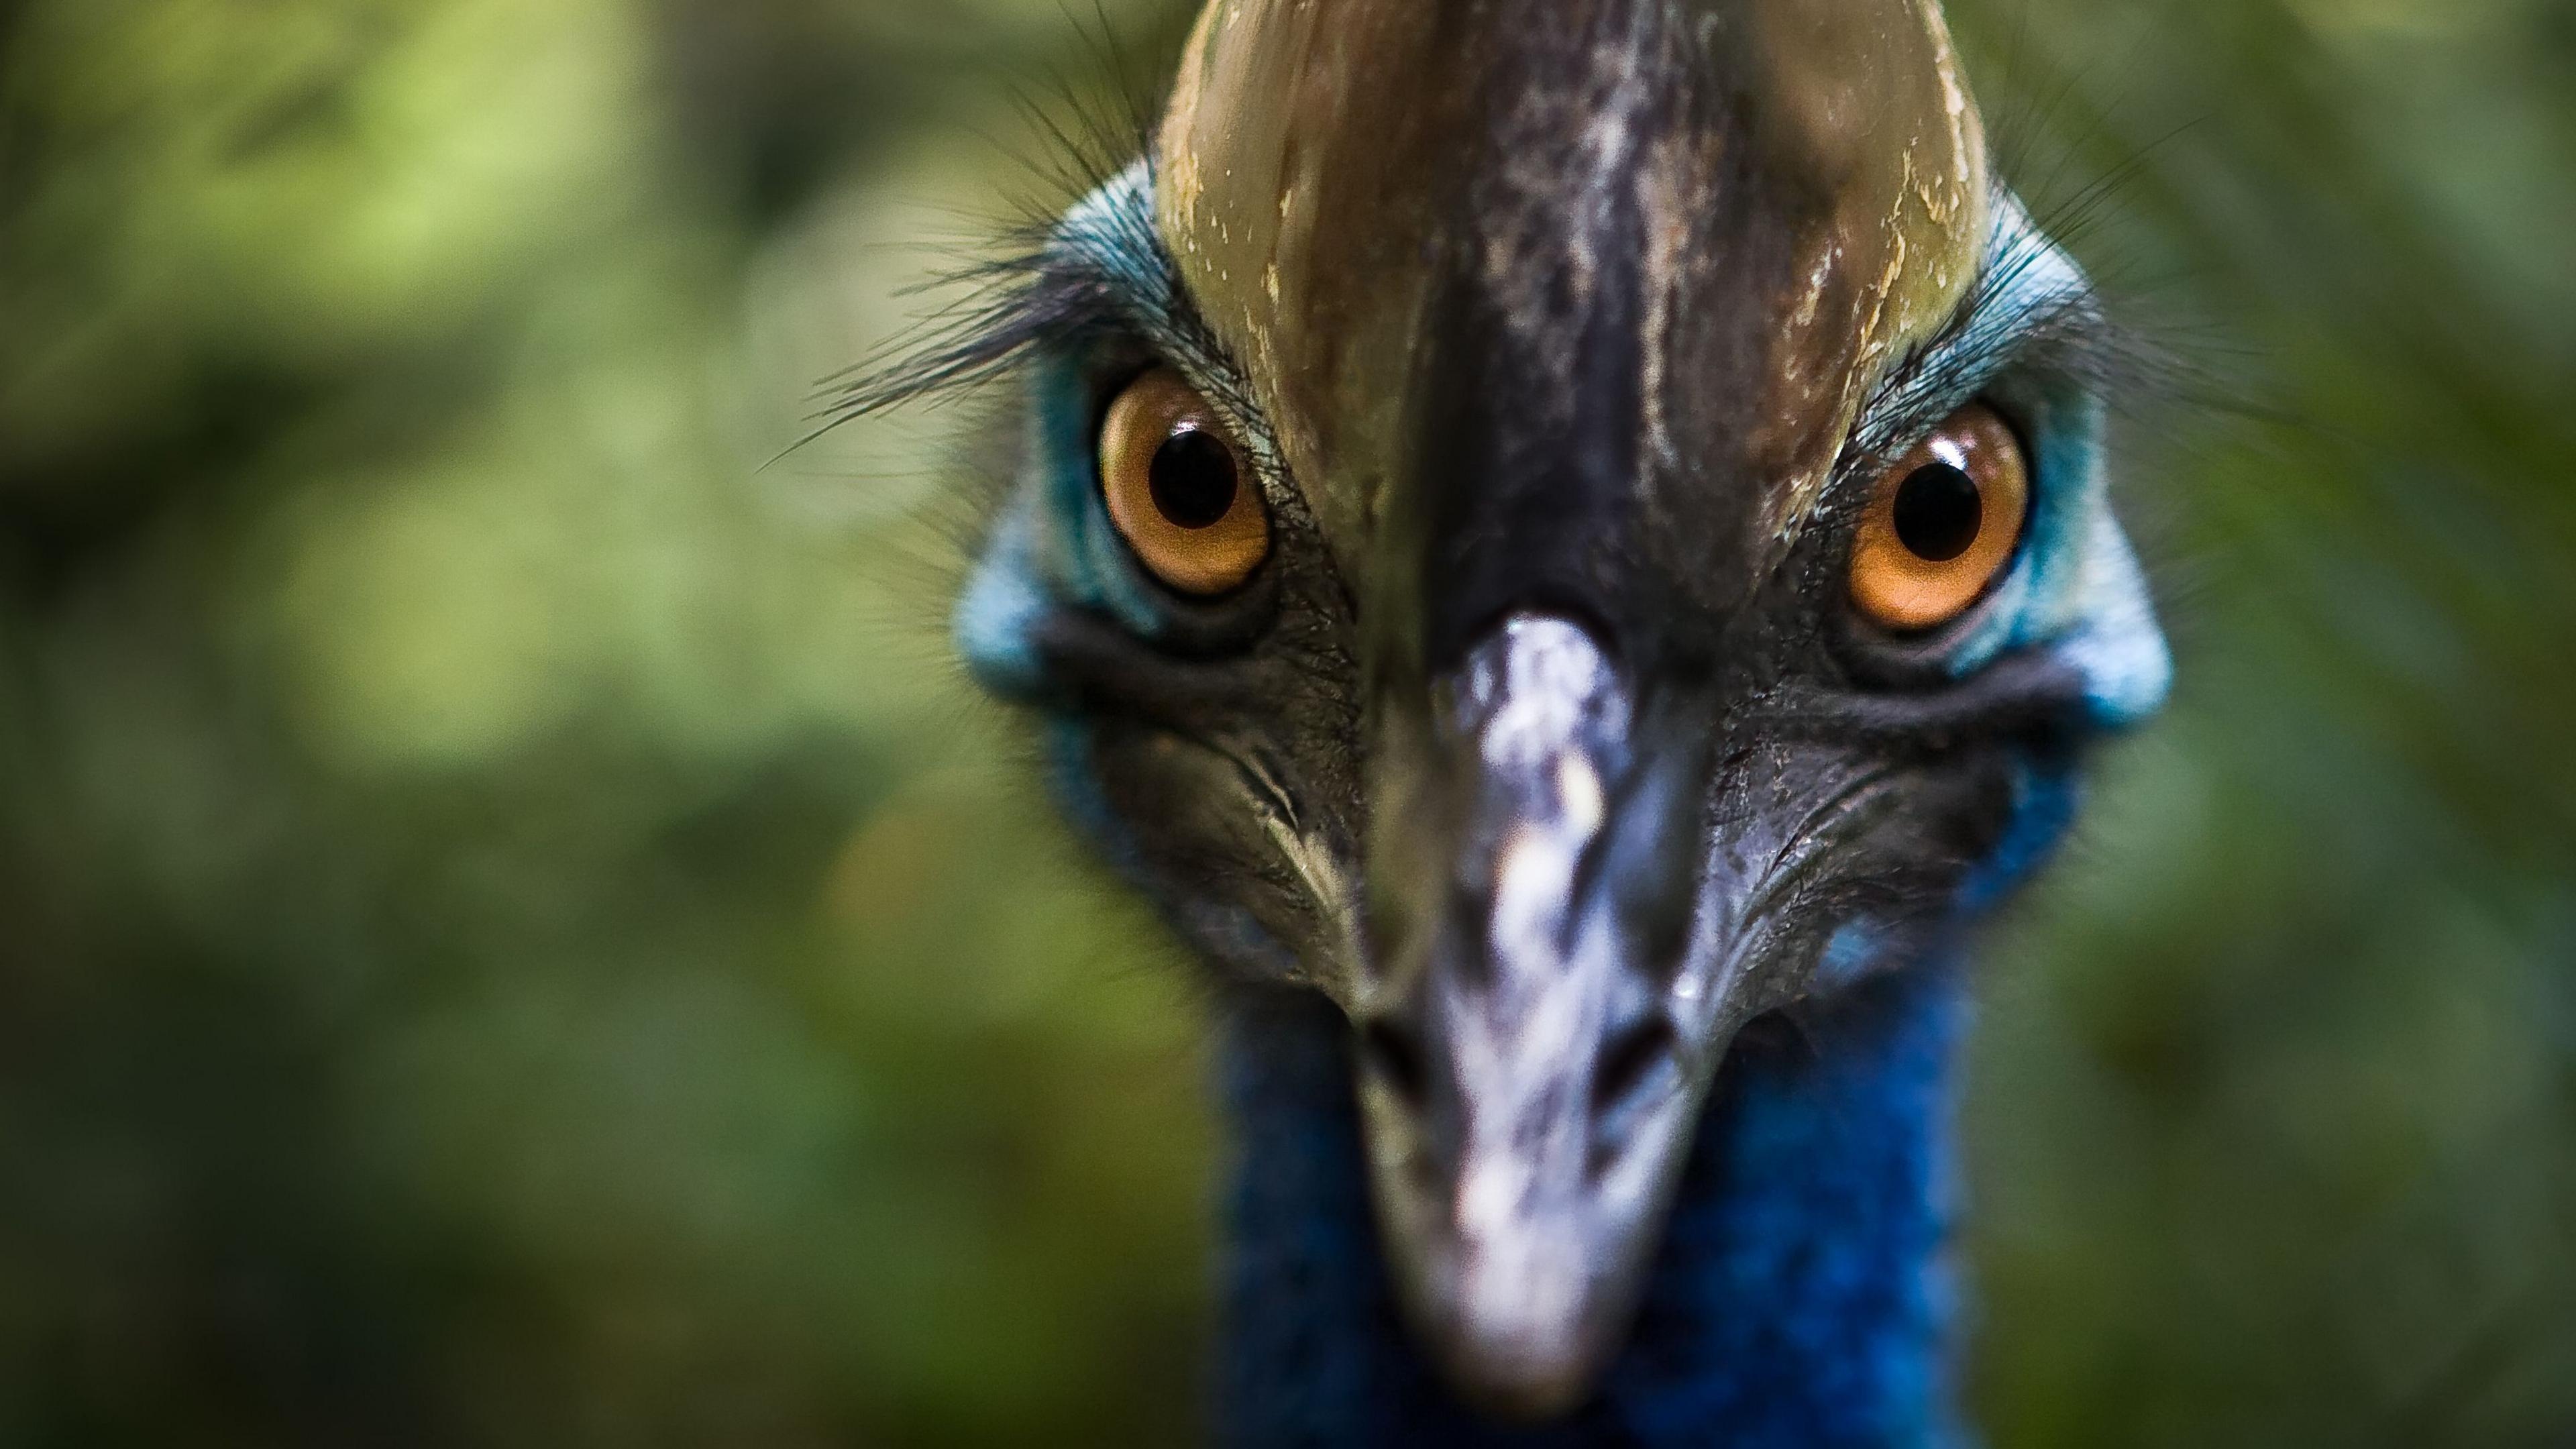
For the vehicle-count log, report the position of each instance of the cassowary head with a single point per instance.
(1564, 526)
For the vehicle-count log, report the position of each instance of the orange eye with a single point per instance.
(1942, 523)
(1179, 487)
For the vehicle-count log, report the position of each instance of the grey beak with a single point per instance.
(1528, 1088)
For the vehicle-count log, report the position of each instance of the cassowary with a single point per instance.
(1563, 544)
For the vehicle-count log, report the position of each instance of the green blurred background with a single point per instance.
(512, 932)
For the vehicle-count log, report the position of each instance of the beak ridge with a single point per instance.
(1527, 1095)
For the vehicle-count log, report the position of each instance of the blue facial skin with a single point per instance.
(1800, 1297)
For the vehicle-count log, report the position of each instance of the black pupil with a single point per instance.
(1192, 477)
(1938, 512)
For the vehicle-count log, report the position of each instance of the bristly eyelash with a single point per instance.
(1042, 283)
(2013, 318)
(1078, 254)
(1099, 270)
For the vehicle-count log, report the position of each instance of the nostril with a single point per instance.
(1395, 1054)
(1628, 1059)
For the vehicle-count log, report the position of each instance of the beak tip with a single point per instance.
(1521, 1345)
(1517, 1376)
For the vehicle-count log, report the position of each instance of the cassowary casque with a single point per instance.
(1563, 544)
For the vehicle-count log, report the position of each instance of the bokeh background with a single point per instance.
(512, 932)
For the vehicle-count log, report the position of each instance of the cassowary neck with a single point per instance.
(1799, 1300)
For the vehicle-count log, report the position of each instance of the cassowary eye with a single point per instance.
(1179, 488)
(1942, 523)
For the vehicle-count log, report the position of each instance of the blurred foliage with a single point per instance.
(512, 932)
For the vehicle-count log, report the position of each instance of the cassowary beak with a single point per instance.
(1530, 1080)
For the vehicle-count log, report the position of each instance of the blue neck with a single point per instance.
(1799, 1299)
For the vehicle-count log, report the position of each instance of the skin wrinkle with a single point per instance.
(1318, 865)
